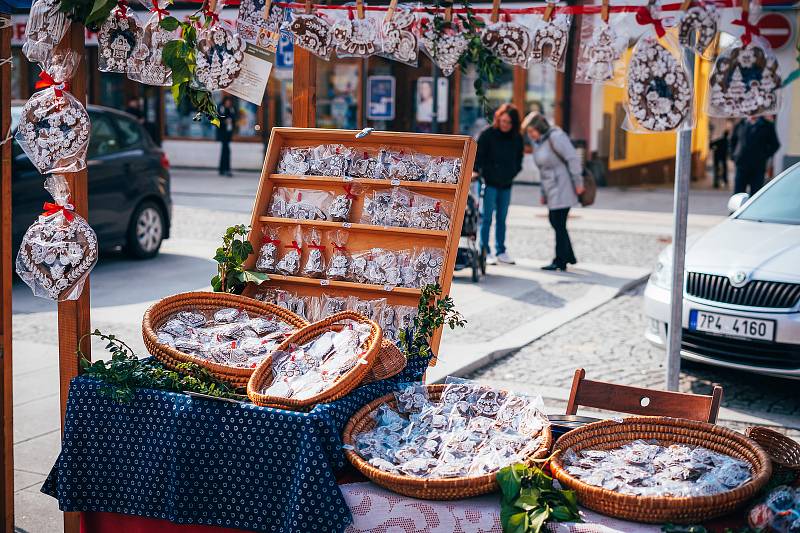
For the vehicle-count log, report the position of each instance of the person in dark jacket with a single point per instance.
(499, 160)
(753, 143)
(720, 149)
(227, 124)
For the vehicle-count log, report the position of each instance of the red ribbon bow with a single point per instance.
(644, 17)
(45, 81)
(295, 246)
(348, 191)
(336, 246)
(749, 29)
(437, 206)
(161, 12)
(122, 8)
(209, 14)
(51, 209)
(267, 240)
(317, 247)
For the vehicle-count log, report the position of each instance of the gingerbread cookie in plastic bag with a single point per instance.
(399, 37)
(59, 249)
(219, 53)
(268, 252)
(314, 266)
(45, 28)
(289, 264)
(117, 40)
(146, 63)
(54, 126)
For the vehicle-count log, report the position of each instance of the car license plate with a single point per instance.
(735, 326)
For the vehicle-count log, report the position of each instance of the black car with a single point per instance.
(129, 189)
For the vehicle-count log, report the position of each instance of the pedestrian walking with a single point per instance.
(498, 161)
(227, 116)
(719, 147)
(561, 178)
(753, 143)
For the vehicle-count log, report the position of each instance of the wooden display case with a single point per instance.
(363, 236)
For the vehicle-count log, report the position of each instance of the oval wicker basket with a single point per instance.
(161, 311)
(415, 487)
(783, 451)
(610, 434)
(262, 376)
(389, 362)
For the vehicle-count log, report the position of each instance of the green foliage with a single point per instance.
(433, 312)
(231, 276)
(488, 67)
(529, 500)
(125, 373)
(90, 13)
(180, 56)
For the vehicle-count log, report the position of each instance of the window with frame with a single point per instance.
(103, 140)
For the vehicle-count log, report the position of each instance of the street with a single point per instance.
(548, 324)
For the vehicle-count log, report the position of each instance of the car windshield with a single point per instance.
(778, 204)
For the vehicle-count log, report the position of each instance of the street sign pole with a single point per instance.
(683, 169)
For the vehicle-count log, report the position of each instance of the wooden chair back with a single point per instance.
(643, 402)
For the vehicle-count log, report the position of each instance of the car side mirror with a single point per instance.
(737, 201)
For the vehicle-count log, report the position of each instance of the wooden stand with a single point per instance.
(364, 236)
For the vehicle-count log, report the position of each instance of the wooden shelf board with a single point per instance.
(349, 285)
(415, 232)
(288, 179)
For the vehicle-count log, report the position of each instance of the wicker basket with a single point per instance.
(783, 451)
(262, 376)
(160, 312)
(609, 434)
(415, 487)
(389, 362)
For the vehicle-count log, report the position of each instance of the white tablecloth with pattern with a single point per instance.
(376, 510)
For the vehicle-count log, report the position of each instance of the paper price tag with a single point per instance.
(388, 288)
(324, 282)
(348, 178)
(347, 225)
(395, 182)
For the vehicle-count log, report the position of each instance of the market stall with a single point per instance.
(256, 409)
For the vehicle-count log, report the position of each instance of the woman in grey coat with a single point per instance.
(561, 177)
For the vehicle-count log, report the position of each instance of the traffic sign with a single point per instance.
(776, 28)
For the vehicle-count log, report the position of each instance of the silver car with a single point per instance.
(741, 297)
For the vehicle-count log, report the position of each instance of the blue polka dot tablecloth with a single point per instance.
(199, 461)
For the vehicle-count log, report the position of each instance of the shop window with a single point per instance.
(472, 117)
(180, 122)
(112, 89)
(103, 140)
(337, 94)
(540, 93)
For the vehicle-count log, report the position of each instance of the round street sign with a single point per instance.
(776, 29)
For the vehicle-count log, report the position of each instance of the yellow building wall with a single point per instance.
(645, 148)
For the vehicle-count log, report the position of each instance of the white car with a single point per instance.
(741, 297)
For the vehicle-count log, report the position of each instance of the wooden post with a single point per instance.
(304, 89)
(73, 316)
(6, 397)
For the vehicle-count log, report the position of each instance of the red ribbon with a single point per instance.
(122, 8)
(348, 191)
(336, 246)
(749, 29)
(51, 209)
(267, 240)
(295, 246)
(159, 11)
(317, 247)
(45, 81)
(437, 206)
(644, 17)
(211, 15)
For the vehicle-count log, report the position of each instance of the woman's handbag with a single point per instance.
(586, 198)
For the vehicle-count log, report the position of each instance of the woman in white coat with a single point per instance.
(561, 178)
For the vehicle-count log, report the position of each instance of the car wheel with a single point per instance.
(145, 231)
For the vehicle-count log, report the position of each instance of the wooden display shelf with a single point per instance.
(336, 181)
(353, 226)
(361, 236)
(344, 285)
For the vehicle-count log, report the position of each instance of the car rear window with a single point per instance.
(103, 140)
(777, 204)
(130, 132)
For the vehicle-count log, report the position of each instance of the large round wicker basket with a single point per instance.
(161, 311)
(262, 376)
(416, 487)
(610, 434)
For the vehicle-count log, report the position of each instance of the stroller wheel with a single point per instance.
(483, 261)
(476, 268)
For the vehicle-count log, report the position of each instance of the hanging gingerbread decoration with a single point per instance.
(117, 40)
(356, 36)
(146, 62)
(550, 38)
(312, 32)
(220, 53)
(398, 36)
(698, 27)
(444, 40)
(508, 41)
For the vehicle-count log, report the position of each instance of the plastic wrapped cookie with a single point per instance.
(294, 161)
(412, 398)
(219, 54)
(315, 263)
(339, 264)
(268, 252)
(289, 264)
(312, 32)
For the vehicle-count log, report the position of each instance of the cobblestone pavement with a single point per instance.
(609, 343)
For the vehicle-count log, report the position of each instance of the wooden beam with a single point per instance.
(304, 89)
(73, 316)
(520, 87)
(6, 383)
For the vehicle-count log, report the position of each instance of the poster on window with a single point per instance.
(380, 97)
(425, 96)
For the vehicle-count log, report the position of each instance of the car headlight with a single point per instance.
(662, 272)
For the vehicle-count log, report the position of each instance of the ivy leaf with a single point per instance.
(538, 518)
(507, 479)
(169, 23)
(254, 277)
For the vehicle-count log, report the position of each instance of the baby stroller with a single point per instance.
(469, 253)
